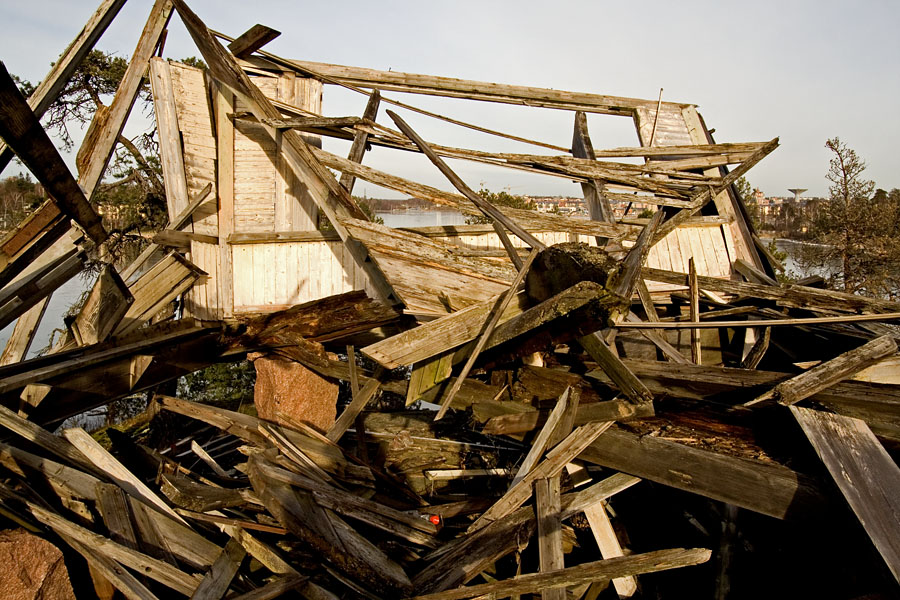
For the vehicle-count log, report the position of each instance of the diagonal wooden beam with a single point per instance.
(26, 136)
(101, 138)
(360, 139)
(593, 190)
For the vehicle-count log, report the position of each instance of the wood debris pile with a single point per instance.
(543, 406)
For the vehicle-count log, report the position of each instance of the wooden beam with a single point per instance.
(551, 466)
(252, 40)
(762, 487)
(593, 190)
(360, 139)
(22, 336)
(865, 473)
(793, 296)
(636, 564)
(477, 90)
(104, 131)
(22, 130)
(830, 372)
(550, 549)
(357, 404)
(115, 470)
(218, 578)
(64, 67)
(694, 291)
(17, 298)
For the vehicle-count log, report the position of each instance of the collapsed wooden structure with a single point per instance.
(583, 389)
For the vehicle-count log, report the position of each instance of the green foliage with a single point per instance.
(228, 385)
(95, 80)
(19, 197)
(646, 214)
(745, 191)
(501, 198)
(855, 230)
(367, 208)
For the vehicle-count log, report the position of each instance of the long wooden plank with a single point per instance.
(794, 296)
(170, 143)
(100, 141)
(153, 568)
(550, 549)
(865, 473)
(106, 462)
(763, 487)
(636, 564)
(122, 579)
(552, 465)
(448, 86)
(830, 372)
(64, 67)
(252, 40)
(218, 578)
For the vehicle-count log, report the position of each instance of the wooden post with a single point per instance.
(694, 311)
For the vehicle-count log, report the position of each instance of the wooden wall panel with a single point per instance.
(195, 122)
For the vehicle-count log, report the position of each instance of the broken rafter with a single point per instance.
(22, 130)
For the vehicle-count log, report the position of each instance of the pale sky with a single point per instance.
(801, 70)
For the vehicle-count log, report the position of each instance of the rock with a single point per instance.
(33, 568)
(288, 387)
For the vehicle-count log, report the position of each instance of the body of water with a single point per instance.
(793, 269)
(64, 297)
(422, 218)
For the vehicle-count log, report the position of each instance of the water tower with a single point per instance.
(797, 192)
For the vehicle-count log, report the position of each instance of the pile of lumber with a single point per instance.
(640, 411)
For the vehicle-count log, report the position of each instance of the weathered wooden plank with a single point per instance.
(360, 399)
(17, 298)
(104, 307)
(540, 443)
(554, 462)
(153, 568)
(105, 461)
(114, 573)
(593, 190)
(794, 296)
(694, 291)
(830, 372)
(360, 138)
(759, 486)
(170, 143)
(636, 564)
(252, 40)
(550, 550)
(452, 87)
(218, 578)
(104, 131)
(865, 473)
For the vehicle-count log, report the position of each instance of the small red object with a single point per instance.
(435, 519)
